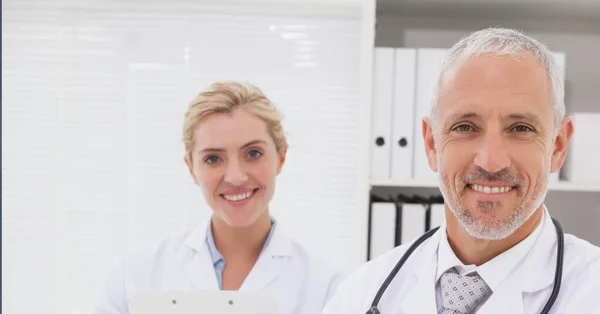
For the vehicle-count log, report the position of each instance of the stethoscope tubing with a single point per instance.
(557, 273)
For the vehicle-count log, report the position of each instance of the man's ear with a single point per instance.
(561, 144)
(428, 139)
(190, 165)
(282, 155)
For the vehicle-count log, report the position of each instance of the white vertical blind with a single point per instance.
(93, 99)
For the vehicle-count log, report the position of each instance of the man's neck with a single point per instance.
(473, 251)
(246, 242)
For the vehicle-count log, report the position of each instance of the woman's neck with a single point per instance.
(245, 242)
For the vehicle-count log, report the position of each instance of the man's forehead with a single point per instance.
(496, 70)
(483, 83)
(513, 115)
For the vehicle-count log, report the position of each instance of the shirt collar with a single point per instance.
(215, 255)
(494, 271)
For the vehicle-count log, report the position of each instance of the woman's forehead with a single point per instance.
(231, 130)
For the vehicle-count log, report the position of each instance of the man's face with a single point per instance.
(494, 142)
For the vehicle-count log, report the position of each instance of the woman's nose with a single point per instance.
(235, 173)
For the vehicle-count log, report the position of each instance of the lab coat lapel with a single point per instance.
(421, 295)
(507, 299)
(536, 272)
(270, 262)
(200, 268)
(540, 263)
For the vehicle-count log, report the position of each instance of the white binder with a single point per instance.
(383, 228)
(437, 215)
(383, 82)
(403, 113)
(413, 222)
(429, 62)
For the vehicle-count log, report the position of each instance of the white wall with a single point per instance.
(581, 43)
(93, 99)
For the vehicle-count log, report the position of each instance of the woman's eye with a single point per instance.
(254, 154)
(522, 129)
(211, 159)
(463, 128)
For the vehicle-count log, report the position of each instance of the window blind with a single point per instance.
(93, 101)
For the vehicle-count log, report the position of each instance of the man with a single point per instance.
(496, 131)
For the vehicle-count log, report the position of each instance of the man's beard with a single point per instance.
(495, 228)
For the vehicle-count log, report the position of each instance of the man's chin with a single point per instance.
(487, 230)
(494, 224)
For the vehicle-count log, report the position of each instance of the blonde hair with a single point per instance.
(226, 97)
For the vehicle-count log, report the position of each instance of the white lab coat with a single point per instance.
(524, 291)
(301, 284)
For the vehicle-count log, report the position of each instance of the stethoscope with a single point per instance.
(421, 239)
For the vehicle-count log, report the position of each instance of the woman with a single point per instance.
(235, 148)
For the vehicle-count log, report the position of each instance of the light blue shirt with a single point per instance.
(217, 258)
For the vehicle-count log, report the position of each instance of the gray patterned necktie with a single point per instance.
(462, 294)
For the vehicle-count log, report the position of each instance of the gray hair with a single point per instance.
(503, 41)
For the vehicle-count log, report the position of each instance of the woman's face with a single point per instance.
(235, 163)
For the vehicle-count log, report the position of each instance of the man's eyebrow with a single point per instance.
(462, 115)
(532, 118)
(529, 117)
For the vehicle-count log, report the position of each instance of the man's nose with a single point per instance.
(235, 173)
(492, 153)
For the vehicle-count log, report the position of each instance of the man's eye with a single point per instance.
(522, 129)
(254, 154)
(211, 159)
(464, 128)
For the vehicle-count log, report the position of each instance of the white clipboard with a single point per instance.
(203, 302)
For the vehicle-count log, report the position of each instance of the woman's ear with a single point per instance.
(190, 165)
(281, 158)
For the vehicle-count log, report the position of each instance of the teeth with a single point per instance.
(237, 197)
(490, 190)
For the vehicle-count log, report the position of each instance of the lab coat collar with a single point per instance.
(540, 263)
(201, 269)
(270, 262)
(278, 245)
(494, 271)
(421, 298)
(536, 273)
